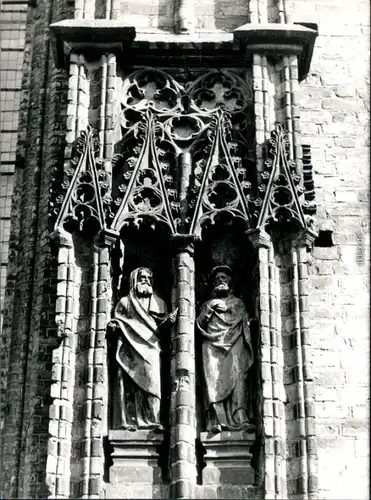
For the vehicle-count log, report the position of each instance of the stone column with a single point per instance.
(306, 444)
(184, 16)
(273, 417)
(96, 387)
(62, 387)
(183, 388)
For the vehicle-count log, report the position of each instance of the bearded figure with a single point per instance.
(226, 355)
(138, 319)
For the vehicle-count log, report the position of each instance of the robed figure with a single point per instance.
(138, 321)
(226, 355)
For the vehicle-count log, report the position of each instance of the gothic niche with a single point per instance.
(226, 291)
(138, 340)
(183, 166)
(138, 336)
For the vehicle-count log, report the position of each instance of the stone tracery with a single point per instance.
(163, 123)
(184, 161)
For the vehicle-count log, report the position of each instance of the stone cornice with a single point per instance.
(81, 35)
(84, 35)
(279, 39)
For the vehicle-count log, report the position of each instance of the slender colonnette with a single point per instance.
(183, 390)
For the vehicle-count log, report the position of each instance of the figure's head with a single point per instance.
(143, 282)
(221, 278)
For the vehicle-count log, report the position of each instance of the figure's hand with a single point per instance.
(112, 330)
(173, 316)
(218, 305)
(111, 325)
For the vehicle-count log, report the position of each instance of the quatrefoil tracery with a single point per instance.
(183, 160)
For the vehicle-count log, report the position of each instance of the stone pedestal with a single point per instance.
(228, 473)
(135, 472)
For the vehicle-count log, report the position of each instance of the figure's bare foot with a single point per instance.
(246, 425)
(159, 428)
(130, 428)
(216, 428)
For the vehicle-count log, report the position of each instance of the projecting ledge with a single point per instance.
(135, 457)
(227, 458)
(279, 39)
(81, 35)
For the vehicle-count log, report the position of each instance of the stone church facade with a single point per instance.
(184, 265)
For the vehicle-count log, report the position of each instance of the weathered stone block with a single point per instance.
(135, 457)
(236, 492)
(184, 470)
(183, 432)
(185, 451)
(185, 398)
(228, 457)
(137, 491)
(183, 489)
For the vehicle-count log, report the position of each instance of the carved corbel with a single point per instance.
(307, 237)
(106, 238)
(61, 238)
(259, 238)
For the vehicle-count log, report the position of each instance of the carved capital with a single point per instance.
(61, 238)
(184, 242)
(259, 238)
(106, 238)
(279, 39)
(306, 238)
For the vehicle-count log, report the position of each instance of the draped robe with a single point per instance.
(138, 347)
(226, 356)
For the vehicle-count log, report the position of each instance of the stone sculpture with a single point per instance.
(135, 330)
(226, 355)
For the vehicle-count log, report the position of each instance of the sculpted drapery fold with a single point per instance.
(227, 355)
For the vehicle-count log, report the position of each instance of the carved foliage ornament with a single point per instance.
(280, 189)
(144, 181)
(79, 203)
(219, 182)
(183, 159)
(179, 139)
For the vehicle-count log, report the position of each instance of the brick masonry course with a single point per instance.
(336, 125)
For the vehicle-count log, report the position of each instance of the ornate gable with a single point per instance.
(79, 202)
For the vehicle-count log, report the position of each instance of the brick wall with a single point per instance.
(12, 47)
(335, 122)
